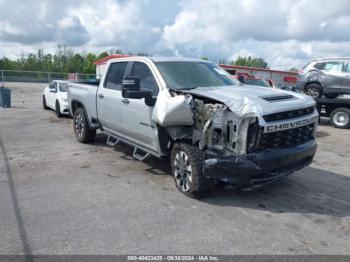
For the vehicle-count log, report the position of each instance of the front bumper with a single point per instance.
(257, 169)
(64, 107)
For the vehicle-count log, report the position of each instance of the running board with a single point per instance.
(112, 141)
(139, 154)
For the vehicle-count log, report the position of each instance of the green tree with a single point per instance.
(103, 55)
(89, 67)
(250, 62)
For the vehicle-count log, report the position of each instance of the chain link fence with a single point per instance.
(41, 77)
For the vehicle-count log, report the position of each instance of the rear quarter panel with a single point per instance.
(85, 95)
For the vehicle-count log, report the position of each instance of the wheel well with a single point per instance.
(166, 141)
(75, 105)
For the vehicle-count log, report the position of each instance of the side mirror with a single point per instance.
(131, 89)
(53, 90)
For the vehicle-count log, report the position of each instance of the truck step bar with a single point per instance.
(140, 153)
(112, 141)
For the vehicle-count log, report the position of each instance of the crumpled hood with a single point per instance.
(248, 101)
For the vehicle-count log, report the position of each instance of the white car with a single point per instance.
(55, 97)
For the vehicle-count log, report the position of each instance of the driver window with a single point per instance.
(147, 80)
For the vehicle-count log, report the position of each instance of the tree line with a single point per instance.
(64, 60)
(67, 60)
(246, 61)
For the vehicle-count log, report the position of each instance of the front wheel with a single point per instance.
(340, 118)
(314, 90)
(187, 170)
(83, 132)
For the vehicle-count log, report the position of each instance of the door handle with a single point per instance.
(125, 101)
(100, 95)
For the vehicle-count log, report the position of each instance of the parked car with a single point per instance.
(213, 128)
(329, 77)
(55, 97)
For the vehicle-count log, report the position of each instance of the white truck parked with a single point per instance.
(213, 128)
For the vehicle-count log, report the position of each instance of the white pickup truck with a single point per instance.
(213, 128)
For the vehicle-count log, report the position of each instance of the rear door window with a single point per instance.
(115, 75)
(333, 66)
(147, 80)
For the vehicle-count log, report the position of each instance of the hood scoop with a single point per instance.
(278, 98)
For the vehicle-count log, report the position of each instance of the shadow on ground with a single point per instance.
(311, 190)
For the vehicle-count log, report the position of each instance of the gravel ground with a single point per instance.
(58, 196)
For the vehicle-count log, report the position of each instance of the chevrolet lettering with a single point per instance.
(292, 124)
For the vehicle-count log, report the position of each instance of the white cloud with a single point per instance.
(286, 33)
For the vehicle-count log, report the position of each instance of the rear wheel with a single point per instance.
(83, 132)
(187, 169)
(340, 118)
(44, 104)
(314, 90)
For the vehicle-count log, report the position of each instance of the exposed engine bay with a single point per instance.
(207, 123)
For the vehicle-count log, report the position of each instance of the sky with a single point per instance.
(286, 33)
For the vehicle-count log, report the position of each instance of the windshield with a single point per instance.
(63, 87)
(188, 75)
(256, 82)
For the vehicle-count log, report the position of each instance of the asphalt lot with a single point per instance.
(58, 196)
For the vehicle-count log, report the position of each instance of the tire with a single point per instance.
(58, 109)
(45, 107)
(82, 131)
(314, 90)
(187, 170)
(340, 118)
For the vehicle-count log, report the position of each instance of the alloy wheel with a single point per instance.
(183, 171)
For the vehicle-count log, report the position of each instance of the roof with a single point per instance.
(107, 58)
(331, 58)
(176, 59)
(256, 69)
(154, 59)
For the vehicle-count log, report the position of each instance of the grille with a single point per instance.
(289, 114)
(287, 138)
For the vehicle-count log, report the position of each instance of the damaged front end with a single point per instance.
(229, 140)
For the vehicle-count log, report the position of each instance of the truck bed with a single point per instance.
(84, 94)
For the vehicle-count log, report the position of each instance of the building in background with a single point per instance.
(279, 78)
(101, 64)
